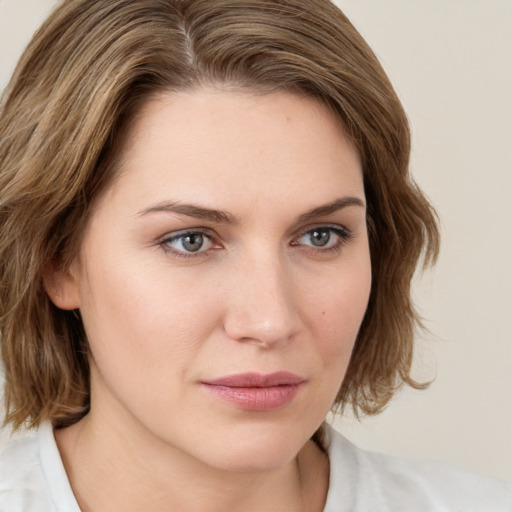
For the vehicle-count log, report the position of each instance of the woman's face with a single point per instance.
(224, 275)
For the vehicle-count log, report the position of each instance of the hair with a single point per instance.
(84, 76)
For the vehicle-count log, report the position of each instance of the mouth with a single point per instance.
(254, 391)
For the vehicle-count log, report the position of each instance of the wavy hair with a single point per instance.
(89, 70)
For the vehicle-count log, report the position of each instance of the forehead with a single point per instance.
(257, 147)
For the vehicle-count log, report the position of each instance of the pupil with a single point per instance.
(193, 242)
(320, 238)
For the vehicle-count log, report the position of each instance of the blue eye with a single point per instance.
(324, 237)
(188, 243)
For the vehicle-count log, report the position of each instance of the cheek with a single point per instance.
(137, 318)
(336, 311)
(339, 306)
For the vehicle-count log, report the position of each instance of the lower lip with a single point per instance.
(256, 399)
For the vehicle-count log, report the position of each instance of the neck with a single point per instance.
(117, 469)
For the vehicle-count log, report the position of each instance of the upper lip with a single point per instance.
(256, 380)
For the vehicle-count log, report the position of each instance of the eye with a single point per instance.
(188, 243)
(323, 237)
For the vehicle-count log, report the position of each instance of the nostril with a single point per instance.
(262, 306)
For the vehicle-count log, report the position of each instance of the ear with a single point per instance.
(62, 287)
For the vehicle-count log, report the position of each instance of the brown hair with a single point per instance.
(87, 72)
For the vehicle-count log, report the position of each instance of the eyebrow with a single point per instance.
(191, 210)
(330, 208)
(223, 217)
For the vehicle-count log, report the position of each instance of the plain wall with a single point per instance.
(451, 62)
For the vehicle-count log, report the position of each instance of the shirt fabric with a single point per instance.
(33, 479)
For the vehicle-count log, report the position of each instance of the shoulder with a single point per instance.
(366, 481)
(22, 485)
(32, 476)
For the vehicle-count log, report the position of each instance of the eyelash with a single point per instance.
(343, 236)
(164, 244)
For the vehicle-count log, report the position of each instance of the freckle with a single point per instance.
(323, 313)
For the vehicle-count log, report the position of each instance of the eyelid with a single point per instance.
(336, 228)
(343, 234)
(165, 240)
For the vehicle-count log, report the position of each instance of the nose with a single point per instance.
(262, 307)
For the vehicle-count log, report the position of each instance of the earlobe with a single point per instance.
(62, 288)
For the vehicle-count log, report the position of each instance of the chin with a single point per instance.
(255, 459)
(256, 449)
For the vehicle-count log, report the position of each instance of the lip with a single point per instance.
(255, 391)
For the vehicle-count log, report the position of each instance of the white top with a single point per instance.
(33, 479)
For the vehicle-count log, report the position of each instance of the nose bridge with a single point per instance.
(262, 308)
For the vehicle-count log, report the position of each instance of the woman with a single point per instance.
(208, 233)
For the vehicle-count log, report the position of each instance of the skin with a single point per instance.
(260, 295)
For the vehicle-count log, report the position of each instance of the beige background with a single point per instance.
(451, 62)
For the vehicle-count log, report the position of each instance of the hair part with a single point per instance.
(89, 70)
